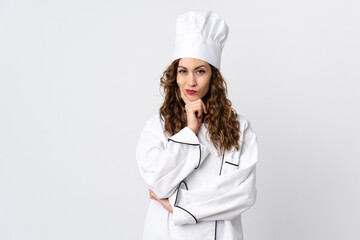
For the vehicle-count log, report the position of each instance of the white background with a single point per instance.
(78, 79)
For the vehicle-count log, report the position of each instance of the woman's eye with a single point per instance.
(181, 71)
(201, 71)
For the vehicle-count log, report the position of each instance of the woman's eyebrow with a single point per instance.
(195, 68)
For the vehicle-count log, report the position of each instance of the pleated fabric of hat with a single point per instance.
(202, 35)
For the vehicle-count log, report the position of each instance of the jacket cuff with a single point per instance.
(204, 152)
(182, 216)
(188, 137)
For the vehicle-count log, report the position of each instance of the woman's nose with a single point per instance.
(192, 80)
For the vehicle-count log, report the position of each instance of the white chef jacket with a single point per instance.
(208, 191)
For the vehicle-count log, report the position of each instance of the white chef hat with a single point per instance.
(202, 35)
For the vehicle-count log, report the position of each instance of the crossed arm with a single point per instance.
(223, 198)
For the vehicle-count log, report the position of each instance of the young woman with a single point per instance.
(197, 155)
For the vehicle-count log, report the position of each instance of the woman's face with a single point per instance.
(193, 77)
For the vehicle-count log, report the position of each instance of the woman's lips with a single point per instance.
(190, 91)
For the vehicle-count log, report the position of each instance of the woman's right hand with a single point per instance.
(195, 111)
(163, 201)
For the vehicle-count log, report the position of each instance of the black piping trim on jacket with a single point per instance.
(176, 199)
(192, 144)
(188, 213)
(232, 163)
(177, 193)
(215, 229)
(222, 162)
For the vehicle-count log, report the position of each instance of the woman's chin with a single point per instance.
(193, 97)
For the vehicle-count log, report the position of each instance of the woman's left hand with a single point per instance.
(164, 201)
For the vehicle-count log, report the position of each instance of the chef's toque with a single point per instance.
(202, 35)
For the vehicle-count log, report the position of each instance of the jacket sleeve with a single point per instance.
(164, 162)
(226, 196)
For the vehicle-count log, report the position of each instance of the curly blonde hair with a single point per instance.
(221, 119)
